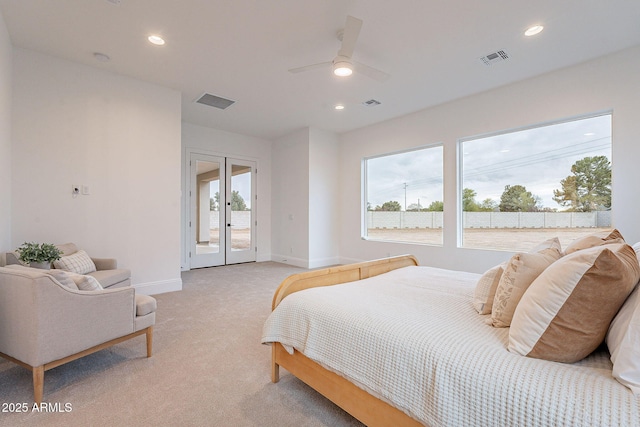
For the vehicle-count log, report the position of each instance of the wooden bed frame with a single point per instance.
(368, 409)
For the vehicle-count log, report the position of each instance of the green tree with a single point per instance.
(588, 188)
(237, 202)
(469, 203)
(516, 198)
(436, 206)
(391, 205)
(488, 205)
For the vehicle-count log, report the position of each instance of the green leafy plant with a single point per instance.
(30, 252)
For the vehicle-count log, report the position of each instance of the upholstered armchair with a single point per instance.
(106, 270)
(44, 324)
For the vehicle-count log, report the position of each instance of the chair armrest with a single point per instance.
(105, 263)
(42, 321)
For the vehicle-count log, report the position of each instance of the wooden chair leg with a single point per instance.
(38, 383)
(149, 341)
(275, 368)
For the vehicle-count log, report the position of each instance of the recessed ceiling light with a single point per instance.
(155, 39)
(532, 31)
(589, 134)
(339, 107)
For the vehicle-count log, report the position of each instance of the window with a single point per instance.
(403, 195)
(521, 187)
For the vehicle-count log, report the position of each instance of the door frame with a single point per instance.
(187, 209)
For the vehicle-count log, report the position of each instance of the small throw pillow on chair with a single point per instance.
(78, 262)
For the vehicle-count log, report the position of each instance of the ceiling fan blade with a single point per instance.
(350, 36)
(368, 71)
(310, 67)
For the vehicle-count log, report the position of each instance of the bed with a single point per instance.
(400, 344)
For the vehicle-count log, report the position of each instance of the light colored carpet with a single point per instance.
(208, 366)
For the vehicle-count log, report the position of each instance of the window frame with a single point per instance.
(365, 192)
(460, 162)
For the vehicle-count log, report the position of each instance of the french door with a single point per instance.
(222, 204)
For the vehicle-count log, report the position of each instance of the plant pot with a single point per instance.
(41, 265)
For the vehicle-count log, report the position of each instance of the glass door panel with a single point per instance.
(240, 211)
(207, 217)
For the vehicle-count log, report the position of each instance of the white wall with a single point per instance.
(226, 144)
(323, 198)
(74, 124)
(606, 83)
(290, 199)
(5, 139)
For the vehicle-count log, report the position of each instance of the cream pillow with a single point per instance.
(63, 277)
(553, 243)
(486, 289)
(86, 283)
(595, 239)
(566, 312)
(623, 341)
(521, 270)
(78, 262)
(487, 284)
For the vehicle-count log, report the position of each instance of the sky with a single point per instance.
(537, 158)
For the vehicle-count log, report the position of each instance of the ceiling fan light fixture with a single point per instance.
(342, 68)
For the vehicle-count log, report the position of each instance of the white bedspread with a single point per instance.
(412, 338)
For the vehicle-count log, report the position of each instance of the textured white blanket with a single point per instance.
(412, 338)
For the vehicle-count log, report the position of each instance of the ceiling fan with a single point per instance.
(342, 64)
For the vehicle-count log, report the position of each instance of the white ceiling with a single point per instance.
(242, 49)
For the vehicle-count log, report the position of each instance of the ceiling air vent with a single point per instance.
(215, 101)
(371, 103)
(494, 57)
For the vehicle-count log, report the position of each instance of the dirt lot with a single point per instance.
(511, 239)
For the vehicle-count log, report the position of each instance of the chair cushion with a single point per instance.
(79, 263)
(108, 278)
(145, 305)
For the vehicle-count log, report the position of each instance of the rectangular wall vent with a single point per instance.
(371, 103)
(215, 101)
(494, 57)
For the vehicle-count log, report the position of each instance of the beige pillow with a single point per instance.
(63, 277)
(85, 283)
(595, 239)
(521, 270)
(487, 284)
(78, 262)
(486, 289)
(565, 313)
(553, 243)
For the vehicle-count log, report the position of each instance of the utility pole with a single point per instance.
(405, 196)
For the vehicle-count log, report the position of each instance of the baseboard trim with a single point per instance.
(160, 287)
(297, 262)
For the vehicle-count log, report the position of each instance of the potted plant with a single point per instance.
(38, 255)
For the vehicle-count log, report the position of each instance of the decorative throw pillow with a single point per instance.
(63, 277)
(487, 284)
(595, 239)
(623, 341)
(553, 243)
(79, 263)
(521, 270)
(86, 283)
(486, 289)
(565, 313)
